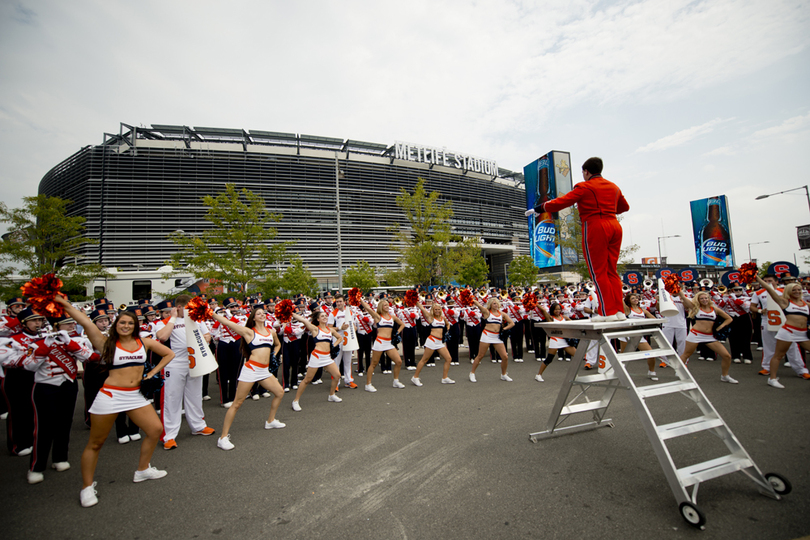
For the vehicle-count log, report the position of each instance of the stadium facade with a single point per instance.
(142, 184)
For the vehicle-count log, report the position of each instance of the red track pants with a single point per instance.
(601, 242)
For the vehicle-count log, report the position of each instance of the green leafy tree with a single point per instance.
(522, 271)
(361, 275)
(470, 265)
(423, 242)
(764, 266)
(240, 248)
(42, 238)
(297, 279)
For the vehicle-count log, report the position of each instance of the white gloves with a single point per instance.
(529, 212)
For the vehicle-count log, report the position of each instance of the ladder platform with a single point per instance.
(627, 333)
(584, 407)
(685, 427)
(654, 390)
(643, 355)
(700, 472)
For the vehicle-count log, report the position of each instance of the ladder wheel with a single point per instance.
(779, 483)
(693, 515)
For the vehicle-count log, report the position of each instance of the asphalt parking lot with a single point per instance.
(440, 461)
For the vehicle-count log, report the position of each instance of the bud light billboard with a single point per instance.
(711, 226)
(547, 178)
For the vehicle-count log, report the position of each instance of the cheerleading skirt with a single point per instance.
(490, 337)
(558, 343)
(115, 399)
(254, 372)
(792, 334)
(382, 344)
(433, 343)
(319, 359)
(699, 337)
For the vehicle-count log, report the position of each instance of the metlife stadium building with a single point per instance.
(335, 195)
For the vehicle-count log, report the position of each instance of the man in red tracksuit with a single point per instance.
(598, 202)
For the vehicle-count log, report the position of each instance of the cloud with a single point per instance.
(680, 137)
(788, 131)
(721, 151)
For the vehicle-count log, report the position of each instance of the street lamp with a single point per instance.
(338, 174)
(659, 246)
(753, 244)
(805, 188)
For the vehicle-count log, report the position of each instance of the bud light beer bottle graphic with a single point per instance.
(544, 230)
(715, 244)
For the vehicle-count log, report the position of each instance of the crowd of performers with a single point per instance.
(136, 360)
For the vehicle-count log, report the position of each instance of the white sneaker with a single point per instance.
(206, 398)
(3, 416)
(370, 388)
(416, 381)
(150, 473)
(494, 361)
(775, 383)
(227, 405)
(652, 375)
(620, 316)
(519, 360)
(60, 466)
(411, 368)
(728, 379)
(255, 397)
(35, 477)
(746, 361)
(275, 424)
(334, 398)
(506, 378)
(135, 437)
(448, 380)
(87, 496)
(319, 381)
(267, 394)
(25, 451)
(737, 361)
(701, 358)
(472, 377)
(398, 384)
(296, 407)
(286, 389)
(225, 442)
(567, 358)
(295, 387)
(123, 440)
(538, 378)
(787, 363)
(759, 348)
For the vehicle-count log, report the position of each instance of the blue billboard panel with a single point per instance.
(711, 227)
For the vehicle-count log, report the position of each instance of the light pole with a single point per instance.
(659, 246)
(753, 244)
(337, 212)
(805, 188)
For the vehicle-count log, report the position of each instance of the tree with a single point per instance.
(570, 236)
(239, 249)
(361, 275)
(470, 265)
(522, 271)
(297, 279)
(424, 243)
(42, 238)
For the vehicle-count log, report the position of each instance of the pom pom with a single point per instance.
(466, 298)
(41, 292)
(672, 284)
(284, 311)
(411, 298)
(355, 295)
(748, 273)
(198, 310)
(529, 301)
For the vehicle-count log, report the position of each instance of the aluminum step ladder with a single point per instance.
(592, 393)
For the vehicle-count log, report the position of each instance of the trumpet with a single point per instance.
(722, 289)
(648, 284)
(625, 289)
(706, 282)
(591, 287)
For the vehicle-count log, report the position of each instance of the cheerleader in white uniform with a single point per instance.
(258, 343)
(633, 310)
(385, 321)
(439, 326)
(555, 344)
(796, 312)
(321, 356)
(124, 352)
(494, 321)
(704, 312)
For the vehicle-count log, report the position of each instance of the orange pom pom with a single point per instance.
(284, 311)
(198, 310)
(41, 292)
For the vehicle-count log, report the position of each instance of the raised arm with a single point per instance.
(93, 333)
(374, 314)
(686, 302)
(484, 311)
(243, 331)
(425, 313)
(311, 328)
(778, 298)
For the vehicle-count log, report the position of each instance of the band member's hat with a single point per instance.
(135, 310)
(28, 314)
(230, 302)
(147, 309)
(165, 305)
(100, 302)
(15, 301)
(64, 319)
(97, 314)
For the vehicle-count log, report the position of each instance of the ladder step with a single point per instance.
(685, 427)
(653, 390)
(700, 472)
(584, 407)
(596, 378)
(643, 355)
(628, 333)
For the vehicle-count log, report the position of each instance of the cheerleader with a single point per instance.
(705, 313)
(259, 345)
(125, 353)
(321, 356)
(633, 310)
(494, 320)
(555, 344)
(385, 321)
(796, 312)
(439, 326)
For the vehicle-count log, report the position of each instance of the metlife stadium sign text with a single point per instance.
(441, 156)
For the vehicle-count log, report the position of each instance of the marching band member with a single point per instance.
(364, 332)
(410, 337)
(93, 376)
(452, 314)
(385, 321)
(439, 325)
(674, 328)
(759, 304)
(292, 333)
(321, 355)
(472, 318)
(229, 356)
(796, 312)
(124, 353)
(340, 318)
(494, 320)
(258, 345)
(518, 314)
(737, 305)
(538, 334)
(704, 312)
(9, 326)
(633, 310)
(180, 390)
(555, 344)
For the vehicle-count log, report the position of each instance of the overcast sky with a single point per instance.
(683, 100)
